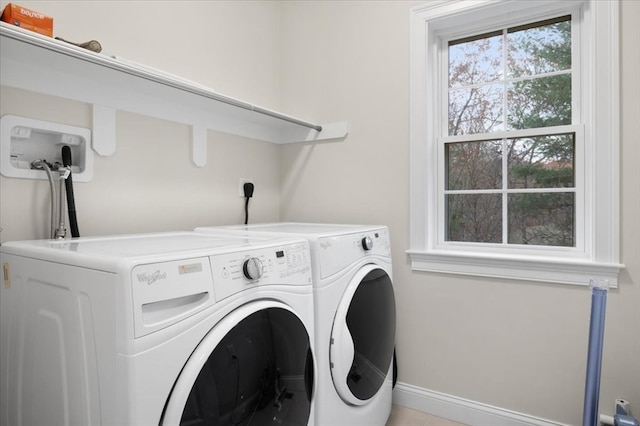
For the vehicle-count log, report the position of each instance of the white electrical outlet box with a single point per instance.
(25, 140)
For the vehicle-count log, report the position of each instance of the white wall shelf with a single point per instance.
(45, 65)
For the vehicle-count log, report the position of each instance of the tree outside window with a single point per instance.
(513, 182)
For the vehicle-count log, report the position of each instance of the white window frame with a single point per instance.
(596, 101)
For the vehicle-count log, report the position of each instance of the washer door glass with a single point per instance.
(255, 370)
(363, 336)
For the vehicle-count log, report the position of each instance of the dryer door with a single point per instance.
(363, 336)
(255, 366)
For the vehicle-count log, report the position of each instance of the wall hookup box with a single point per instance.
(25, 140)
(28, 19)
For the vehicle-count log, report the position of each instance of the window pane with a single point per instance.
(541, 162)
(539, 48)
(475, 60)
(476, 110)
(474, 218)
(541, 102)
(474, 165)
(545, 219)
(512, 79)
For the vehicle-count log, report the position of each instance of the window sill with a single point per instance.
(559, 271)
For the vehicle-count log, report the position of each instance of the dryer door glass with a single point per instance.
(363, 336)
(260, 372)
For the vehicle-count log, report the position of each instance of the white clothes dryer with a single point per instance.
(157, 329)
(355, 317)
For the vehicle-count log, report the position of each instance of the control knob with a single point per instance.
(252, 268)
(367, 243)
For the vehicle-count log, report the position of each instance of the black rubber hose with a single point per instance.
(71, 203)
(246, 210)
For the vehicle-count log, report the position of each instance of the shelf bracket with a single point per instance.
(199, 145)
(104, 130)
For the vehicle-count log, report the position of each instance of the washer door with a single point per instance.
(255, 366)
(363, 336)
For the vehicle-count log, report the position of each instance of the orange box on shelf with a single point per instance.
(28, 19)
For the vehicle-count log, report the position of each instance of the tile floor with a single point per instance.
(402, 416)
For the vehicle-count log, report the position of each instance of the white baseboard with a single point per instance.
(462, 410)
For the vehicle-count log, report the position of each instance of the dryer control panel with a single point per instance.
(288, 264)
(337, 252)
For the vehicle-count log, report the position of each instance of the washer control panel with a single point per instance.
(288, 264)
(167, 292)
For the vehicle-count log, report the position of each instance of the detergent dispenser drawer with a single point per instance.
(165, 293)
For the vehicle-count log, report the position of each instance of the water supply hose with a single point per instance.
(71, 204)
(61, 231)
(42, 165)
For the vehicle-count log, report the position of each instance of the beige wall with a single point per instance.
(515, 345)
(227, 45)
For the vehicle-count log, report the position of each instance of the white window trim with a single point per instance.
(600, 73)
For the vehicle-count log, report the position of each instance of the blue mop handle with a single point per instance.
(594, 359)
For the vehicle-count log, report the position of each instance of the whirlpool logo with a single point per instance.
(145, 277)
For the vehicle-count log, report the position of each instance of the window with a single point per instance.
(518, 188)
(513, 162)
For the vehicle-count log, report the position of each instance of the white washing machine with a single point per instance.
(157, 329)
(355, 317)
